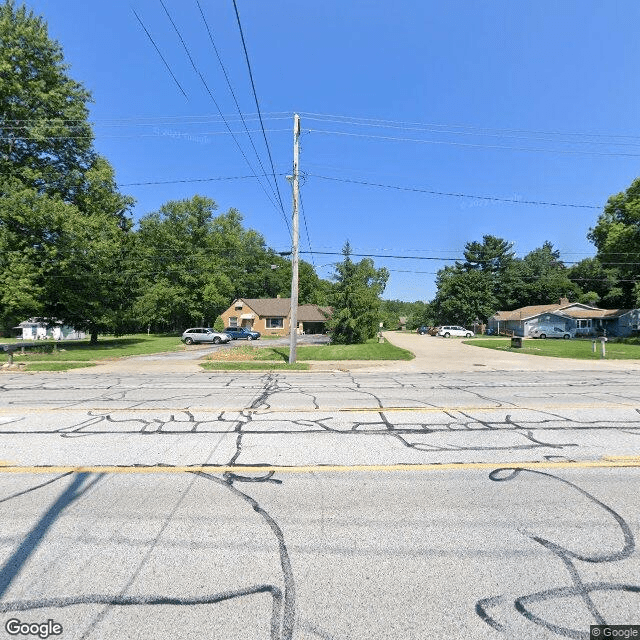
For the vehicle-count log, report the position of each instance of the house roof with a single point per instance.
(526, 312)
(280, 307)
(571, 310)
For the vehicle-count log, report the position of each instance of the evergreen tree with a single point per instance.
(355, 299)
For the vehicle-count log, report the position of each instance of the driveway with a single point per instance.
(435, 354)
(432, 355)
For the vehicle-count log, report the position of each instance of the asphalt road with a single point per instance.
(323, 505)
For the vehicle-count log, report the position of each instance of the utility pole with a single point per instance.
(294, 239)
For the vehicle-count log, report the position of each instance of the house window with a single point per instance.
(275, 323)
(584, 324)
(233, 321)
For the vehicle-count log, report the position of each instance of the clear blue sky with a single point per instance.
(532, 101)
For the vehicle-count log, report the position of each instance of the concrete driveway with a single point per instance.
(435, 354)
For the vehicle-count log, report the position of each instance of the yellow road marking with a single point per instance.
(242, 469)
(542, 407)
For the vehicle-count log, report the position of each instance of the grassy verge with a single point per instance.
(106, 348)
(371, 350)
(579, 349)
(57, 366)
(254, 366)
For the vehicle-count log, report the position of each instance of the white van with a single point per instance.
(543, 332)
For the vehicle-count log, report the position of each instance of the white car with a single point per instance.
(204, 334)
(551, 332)
(447, 332)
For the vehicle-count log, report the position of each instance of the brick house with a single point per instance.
(271, 316)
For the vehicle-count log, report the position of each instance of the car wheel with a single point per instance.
(249, 337)
(188, 340)
(216, 340)
(566, 336)
(467, 335)
(543, 336)
(447, 335)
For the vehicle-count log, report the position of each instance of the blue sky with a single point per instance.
(511, 100)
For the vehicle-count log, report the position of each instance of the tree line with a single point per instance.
(69, 249)
(68, 246)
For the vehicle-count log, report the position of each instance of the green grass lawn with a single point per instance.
(106, 348)
(580, 349)
(213, 365)
(371, 350)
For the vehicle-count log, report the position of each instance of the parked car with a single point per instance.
(551, 332)
(242, 333)
(455, 330)
(204, 334)
(423, 330)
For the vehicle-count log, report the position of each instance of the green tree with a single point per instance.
(545, 279)
(45, 137)
(355, 299)
(464, 296)
(617, 240)
(63, 224)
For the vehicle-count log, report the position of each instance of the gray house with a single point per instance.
(584, 319)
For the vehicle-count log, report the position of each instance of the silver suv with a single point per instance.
(454, 330)
(204, 334)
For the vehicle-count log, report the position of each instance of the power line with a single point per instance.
(195, 68)
(255, 96)
(226, 76)
(456, 195)
(428, 129)
(166, 64)
(382, 123)
(477, 146)
(187, 181)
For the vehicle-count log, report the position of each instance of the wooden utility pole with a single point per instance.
(294, 240)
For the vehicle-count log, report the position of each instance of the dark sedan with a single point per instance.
(242, 333)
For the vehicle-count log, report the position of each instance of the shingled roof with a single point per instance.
(280, 307)
(571, 310)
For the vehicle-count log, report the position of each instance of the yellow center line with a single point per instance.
(430, 409)
(604, 463)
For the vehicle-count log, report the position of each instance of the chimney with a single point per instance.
(564, 302)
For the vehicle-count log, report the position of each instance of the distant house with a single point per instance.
(46, 328)
(272, 316)
(584, 319)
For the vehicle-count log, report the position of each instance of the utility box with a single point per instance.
(516, 342)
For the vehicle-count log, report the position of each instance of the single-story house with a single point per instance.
(45, 328)
(273, 316)
(584, 319)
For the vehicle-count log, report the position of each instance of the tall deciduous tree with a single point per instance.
(617, 239)
(45, 137)
(355, 299)
(62, 221)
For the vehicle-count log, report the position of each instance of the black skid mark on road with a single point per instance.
(579, 589)
(283, 630)
(431, 448)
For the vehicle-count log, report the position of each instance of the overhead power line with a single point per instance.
(206, 86)
(456, 195)
(166, 64)
(474, 145)
(233, 95)
(255, 96)
(378, 122)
